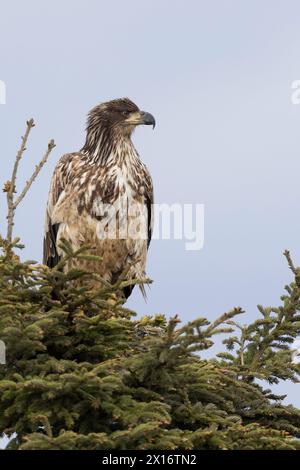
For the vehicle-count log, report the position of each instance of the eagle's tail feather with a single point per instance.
(143, 291)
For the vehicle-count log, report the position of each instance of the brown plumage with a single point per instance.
(102, 196)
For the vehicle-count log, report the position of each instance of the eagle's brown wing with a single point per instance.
(149, 203)
(50, 254)
(149, 200)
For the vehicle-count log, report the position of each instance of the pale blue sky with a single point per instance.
(217, 76)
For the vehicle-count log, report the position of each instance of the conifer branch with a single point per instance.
(286, 253)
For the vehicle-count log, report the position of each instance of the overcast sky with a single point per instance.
(217, 76)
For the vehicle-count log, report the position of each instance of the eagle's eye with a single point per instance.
(125, 113)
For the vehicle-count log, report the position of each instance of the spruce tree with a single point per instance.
(82, 372)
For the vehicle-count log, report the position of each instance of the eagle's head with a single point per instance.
(109, 123)
(113, 120)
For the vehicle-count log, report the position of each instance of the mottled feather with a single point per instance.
(88, 190)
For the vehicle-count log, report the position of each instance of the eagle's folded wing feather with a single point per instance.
(149, 203)
(50, 254)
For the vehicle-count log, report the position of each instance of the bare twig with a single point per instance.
(38, 168)
(10, 186)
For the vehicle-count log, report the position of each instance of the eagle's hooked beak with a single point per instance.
(147, 118)
(141, 117)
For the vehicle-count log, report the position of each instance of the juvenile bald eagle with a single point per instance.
(102, 196)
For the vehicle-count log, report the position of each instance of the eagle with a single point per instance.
(102, 197)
